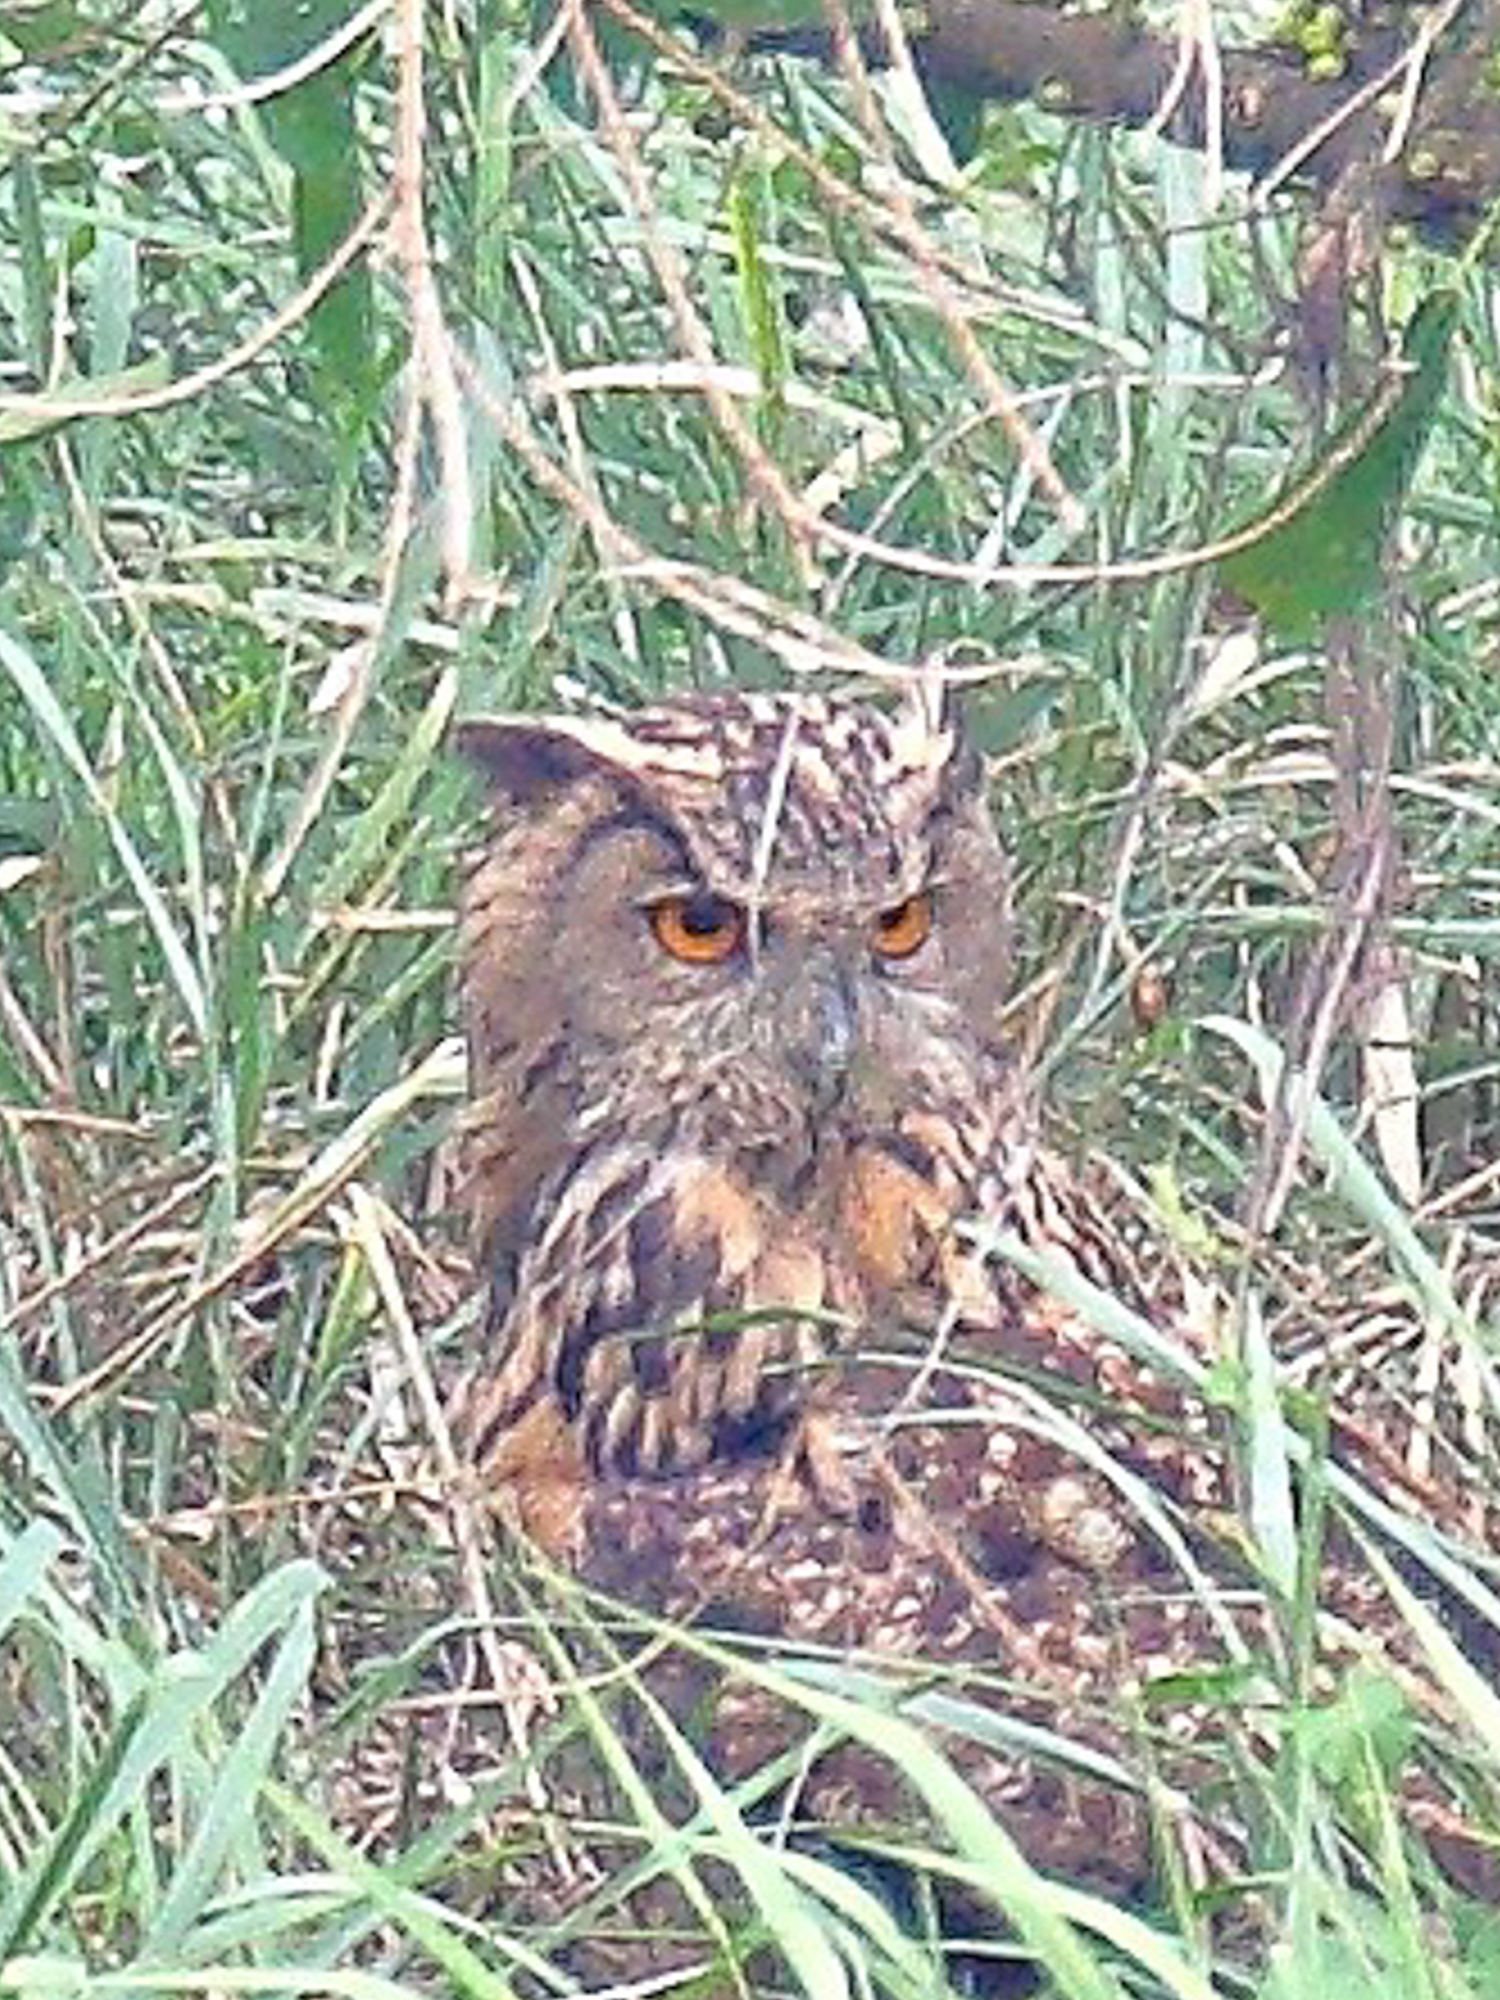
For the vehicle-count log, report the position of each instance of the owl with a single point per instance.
(743, 1118)
(732, 970)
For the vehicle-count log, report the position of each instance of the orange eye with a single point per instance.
(904, 929)
(700, 930)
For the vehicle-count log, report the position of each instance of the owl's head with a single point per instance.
(794, 904)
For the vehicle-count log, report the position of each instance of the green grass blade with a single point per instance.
(37, 692)
(226, 1819)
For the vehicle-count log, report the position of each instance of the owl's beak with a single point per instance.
(820, 1028)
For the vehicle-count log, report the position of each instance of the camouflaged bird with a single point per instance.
(753, 1188)
(733, 971)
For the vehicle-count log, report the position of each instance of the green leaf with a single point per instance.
(36, 1445)
(239, 1772)
(24, 1566)
(313, 128)
(1368, 1714)
(960, 116)
(39, 31)
(36, 283)
(1316, 551)
(749, 203)
(312, 125)
(156, 1730)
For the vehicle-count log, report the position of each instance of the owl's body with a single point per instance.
(733, 974)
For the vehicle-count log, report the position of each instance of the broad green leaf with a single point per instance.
(24, 1565)
(31, 242)
(426, 1919)
(36, 1446)
(1322, 540)
(239, 1773)
(43, 28)
(1368, 1714)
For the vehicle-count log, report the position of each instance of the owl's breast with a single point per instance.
(879, 1205)
(683, 1302)
(891, 1223)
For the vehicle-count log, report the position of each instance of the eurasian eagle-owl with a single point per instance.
(733, 970)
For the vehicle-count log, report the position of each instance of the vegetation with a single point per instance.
(335, 398)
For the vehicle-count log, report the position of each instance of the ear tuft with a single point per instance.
(527, 757)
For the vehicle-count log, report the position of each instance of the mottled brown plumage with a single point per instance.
(732, 1170)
